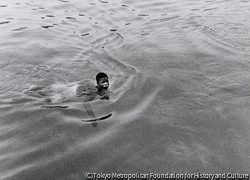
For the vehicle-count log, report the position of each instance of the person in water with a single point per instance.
(88, 91)
(85, 91)
(101, 89)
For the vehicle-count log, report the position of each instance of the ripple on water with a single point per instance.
(5, 22)
(64, 74)
(194, 119)
(223, 26)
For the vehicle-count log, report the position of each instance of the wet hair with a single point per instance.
(100, 75)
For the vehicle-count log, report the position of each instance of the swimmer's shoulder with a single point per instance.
(86, 88)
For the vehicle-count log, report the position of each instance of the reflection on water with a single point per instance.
(179, 82)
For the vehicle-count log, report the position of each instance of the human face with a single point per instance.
(103, 83)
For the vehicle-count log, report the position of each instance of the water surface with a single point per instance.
(179, 77)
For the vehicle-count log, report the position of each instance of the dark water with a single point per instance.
(179, 77)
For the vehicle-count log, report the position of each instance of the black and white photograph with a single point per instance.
(124, 89)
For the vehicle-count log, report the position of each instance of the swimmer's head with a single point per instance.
(102, 81)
